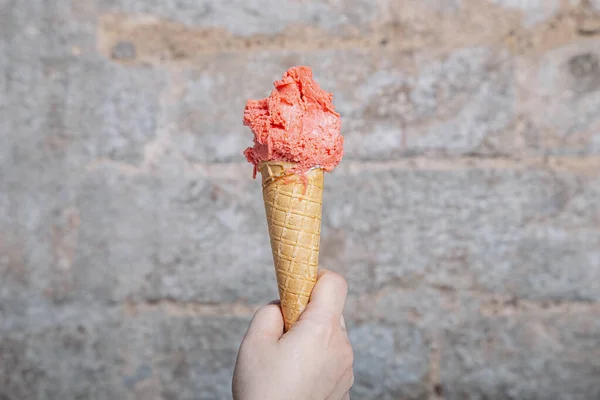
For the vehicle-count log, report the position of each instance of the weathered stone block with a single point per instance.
(534, 11)
(189, 357)
(115, 113)
(47, 29)
(561, 96)
(524, 232)
(442, 104)
(391, 363)
(255, 16)
(524, 357)
(158, 237)
(66, 354)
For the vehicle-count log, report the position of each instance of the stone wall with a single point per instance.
(465, 214)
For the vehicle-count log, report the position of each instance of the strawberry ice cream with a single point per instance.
(297, 123)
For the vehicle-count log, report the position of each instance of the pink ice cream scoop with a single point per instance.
(297, 123)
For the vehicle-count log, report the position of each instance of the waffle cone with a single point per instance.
(293, 208)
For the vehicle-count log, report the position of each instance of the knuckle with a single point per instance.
(323, 328)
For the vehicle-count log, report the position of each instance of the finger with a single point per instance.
(346, 396)
(329, 295)
(267, 323)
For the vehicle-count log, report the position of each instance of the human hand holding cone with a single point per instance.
(296, 139)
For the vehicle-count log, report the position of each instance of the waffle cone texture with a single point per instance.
(293, 206)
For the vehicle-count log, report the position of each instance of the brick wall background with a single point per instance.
(465, 215)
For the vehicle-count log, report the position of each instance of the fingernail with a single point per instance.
(343, 322)
(278, 302)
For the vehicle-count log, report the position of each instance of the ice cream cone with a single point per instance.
(293, 207)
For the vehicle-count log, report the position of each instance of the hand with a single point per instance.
(311, 361)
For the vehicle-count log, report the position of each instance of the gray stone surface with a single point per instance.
(115, 354)
(534, 11)
(450, 104)
(61, 354)
(393, 362)
(179, 357)
(176, 238)
(565, 84)
(46, 29)
(526, 357)
(123, 51)
(265, 17)
(503, 231)
(133, 241)
(115, 238)
(113, 111)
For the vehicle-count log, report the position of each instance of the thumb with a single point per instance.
(328, 297)
(267, 324)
